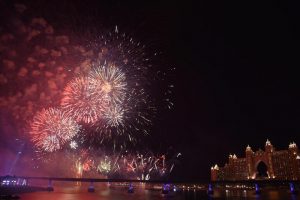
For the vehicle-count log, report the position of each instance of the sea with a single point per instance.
(121, 193)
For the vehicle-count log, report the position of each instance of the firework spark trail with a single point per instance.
(116, 165)
(52, 128)
(79, 170)
(127, 165)
(143, 167)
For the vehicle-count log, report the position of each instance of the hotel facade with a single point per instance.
(278, 165)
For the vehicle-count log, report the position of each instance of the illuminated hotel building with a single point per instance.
(279, 165)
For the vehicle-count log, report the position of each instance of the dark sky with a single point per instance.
(236, 80)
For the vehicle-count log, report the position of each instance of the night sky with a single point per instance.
(236, 80)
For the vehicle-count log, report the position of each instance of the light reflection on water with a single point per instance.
(105, 193)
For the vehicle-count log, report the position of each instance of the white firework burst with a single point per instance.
(104, 166)
(73, 144)
(111, 81)
(114, 115)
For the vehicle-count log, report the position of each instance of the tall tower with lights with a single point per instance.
(269, 149)
(249, 160)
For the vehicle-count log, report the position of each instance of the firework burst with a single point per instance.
(52, 128)
(110, 82)
(127, 76)
(114, 115)
(112, 86)
(82, 101)
(104, 166)
(73, 144)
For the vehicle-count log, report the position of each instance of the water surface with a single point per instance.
(107, 193)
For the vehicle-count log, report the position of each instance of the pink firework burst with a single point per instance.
(51, 128)
(83, 101)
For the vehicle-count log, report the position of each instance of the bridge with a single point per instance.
(91, 179)
(12, 181)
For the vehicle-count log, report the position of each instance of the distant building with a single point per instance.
(267, 164)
